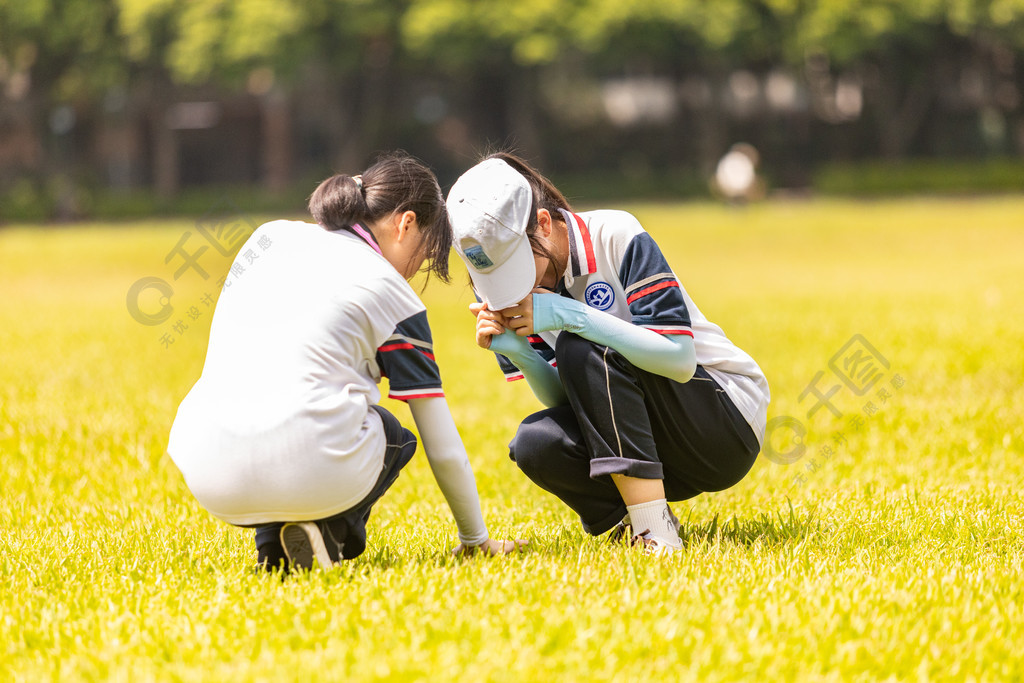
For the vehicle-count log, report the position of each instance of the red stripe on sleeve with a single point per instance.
(426, 394)
(587, 244)
(398, 346)
(650, 290)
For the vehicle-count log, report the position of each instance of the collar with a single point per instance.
(581, 259)
(367, 237)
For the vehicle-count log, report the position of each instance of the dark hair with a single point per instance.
(396, 183)
(545, 196)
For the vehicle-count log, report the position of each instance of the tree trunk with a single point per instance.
(166, 156)
(277, 141)
(903, 95)
(346, 144)
(374, 96)
(522, 114)
(901, 118)
(710, 128)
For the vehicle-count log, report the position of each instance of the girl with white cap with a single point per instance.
(648, 401)
(283, 431)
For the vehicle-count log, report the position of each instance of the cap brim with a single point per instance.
(509, 283)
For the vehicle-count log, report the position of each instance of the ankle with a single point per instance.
(654, 518)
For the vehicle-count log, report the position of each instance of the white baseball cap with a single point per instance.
(489, 207)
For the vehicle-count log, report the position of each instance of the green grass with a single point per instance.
(899, 556)
(931, 176)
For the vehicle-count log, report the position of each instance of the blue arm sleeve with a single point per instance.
(542, 378)
(674, 358)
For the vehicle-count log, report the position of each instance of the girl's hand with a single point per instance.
(488, 324)
(491, 547)
(519, 318)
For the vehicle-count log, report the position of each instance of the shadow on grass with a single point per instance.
(376, 562)
(765, 529)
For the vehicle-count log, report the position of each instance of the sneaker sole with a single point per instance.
(303, 544)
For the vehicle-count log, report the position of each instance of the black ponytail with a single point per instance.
(338, 202)
(396, 183)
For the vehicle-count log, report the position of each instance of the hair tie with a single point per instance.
(359, 181)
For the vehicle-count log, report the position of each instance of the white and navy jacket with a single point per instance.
(615, 266)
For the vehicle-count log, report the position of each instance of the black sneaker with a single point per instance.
(303, 543)
(620, 531)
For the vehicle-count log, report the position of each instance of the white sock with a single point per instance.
(655, 518)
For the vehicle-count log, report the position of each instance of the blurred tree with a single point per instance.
(887, 58)
(241, 44)
(341, 51)
(686, 41)
(495, 50)
(56, 58)
(361, 67)
(903, 53)
(353, 51)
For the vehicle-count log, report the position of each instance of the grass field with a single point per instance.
(892, 548)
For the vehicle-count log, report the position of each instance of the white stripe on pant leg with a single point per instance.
(611, 406)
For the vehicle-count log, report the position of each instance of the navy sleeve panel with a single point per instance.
(406, 358)
(510, 371)
(541, 347)
(653, 293)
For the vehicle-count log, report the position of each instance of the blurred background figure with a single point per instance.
(736, 178)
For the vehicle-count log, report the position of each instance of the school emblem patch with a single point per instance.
(478, 258)
(600, 296)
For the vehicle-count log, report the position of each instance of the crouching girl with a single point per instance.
(283, 430)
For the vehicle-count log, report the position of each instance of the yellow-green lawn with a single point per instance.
(891, 548)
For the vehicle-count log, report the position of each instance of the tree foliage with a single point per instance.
(368, 58)
(78, 45)
(63, 49)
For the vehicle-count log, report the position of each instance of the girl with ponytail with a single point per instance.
(283, 431)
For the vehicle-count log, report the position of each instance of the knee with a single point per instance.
(533, 445)
(573, 352)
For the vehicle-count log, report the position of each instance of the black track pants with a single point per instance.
(621, 419)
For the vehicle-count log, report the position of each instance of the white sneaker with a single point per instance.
(303, 543)
(655, 546)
